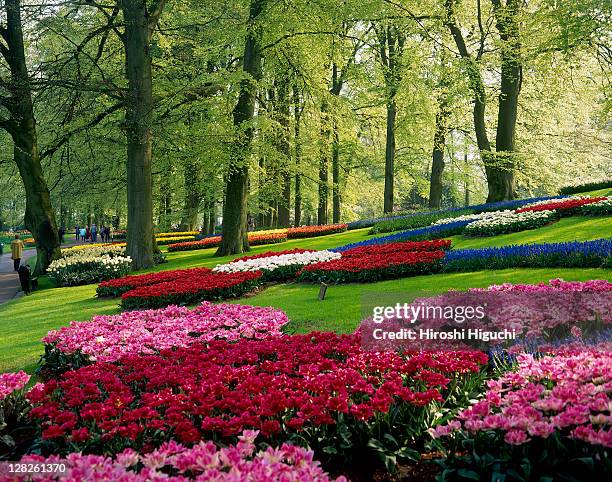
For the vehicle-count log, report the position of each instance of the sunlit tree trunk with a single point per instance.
(235, 239)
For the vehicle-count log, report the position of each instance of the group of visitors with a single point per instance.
(88, 234)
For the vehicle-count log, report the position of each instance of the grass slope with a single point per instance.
(25, 321)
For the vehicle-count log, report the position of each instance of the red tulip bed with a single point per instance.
(118, 286)
(376, 263)
(312, 231)
(321, 390)
(192, 289)
(568, 207)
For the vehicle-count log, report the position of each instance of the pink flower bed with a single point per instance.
(204, 461)
(568, 394)
(592, 286)
(11, 382)
(107, 338)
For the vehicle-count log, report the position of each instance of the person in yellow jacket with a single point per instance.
(16, 251)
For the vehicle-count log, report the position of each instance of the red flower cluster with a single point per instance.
(569, 205)
(272, 253)
(192, 289)
(118, 286)
(254, 240)
(390, 248)
(312, 231)
(300, 383)
(368, 268)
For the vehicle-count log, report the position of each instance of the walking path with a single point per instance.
(9, 280)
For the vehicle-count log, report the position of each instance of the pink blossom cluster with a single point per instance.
(10, 382)
(108, 338)
(569, 394)
(558, 284)
(203, 462)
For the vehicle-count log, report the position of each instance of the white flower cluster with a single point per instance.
(468, 217)
(93, 250)
(85, 267)
(508, 221)
(271, 263)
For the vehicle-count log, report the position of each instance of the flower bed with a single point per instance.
(408, 246)
(369, 268)
(600, 208)
(567, 207)
(427, 233)
(276, 267)
(503, 222)
(545, 406)
(108, 338)
(14, 423)
(117, 287)
(83, 267)
(312, 231)
(174, 462)
(110, 249)
(416, 220)
(585, 254)
(191, 289)
(173, 240)
(319, 389)
(176, 233)
(586, 186)
(255, 239)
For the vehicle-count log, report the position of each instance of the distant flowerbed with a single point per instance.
(508, 222)
(277, 266)
(312, 231)
(255, 238)
(108, 338)
(85, 266)
(566, 207)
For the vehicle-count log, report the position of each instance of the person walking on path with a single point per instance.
(16, 251)
(94, 233)
(82, 233)
(77, 233)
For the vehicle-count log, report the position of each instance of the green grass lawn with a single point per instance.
(25, 321)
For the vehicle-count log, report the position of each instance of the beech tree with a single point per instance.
(235, 239)
(20, 123)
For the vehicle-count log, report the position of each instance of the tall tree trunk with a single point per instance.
(391, 46)
(212, 218)
(337, 83)
(235, 239)
(297, 113)
(336, 208)
(193, 196)
(284, 206)
(439, 144)
(437, 164)
(39, 214)
(511, 79)
(322, 211)
(139, 107)
(390, 156)
(499, 179)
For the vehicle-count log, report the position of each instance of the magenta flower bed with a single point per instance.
(107, 338)
(11, 382)
(566, 394)
(174, 462)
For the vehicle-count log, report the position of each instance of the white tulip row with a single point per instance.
(270, 263)
(503, 219)
(469, 217)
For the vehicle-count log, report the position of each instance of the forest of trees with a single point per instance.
(167, 114)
